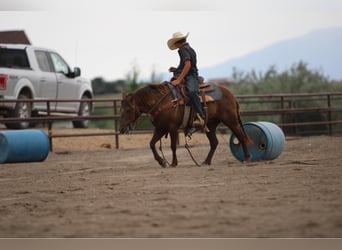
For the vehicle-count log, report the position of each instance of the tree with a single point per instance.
(155, 78)
(100, 86)
(132, 77)
(298, 79)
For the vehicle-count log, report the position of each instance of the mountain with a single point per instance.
(320, 49)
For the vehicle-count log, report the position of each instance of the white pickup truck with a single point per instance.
(28, 72)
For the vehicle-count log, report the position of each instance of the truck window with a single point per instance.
(43, 61)
(13, 58)
(59, 64)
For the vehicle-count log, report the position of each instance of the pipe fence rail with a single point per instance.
(292, 112)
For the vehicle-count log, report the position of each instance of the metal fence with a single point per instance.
(296, 114)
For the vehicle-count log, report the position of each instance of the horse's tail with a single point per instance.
(248, 139)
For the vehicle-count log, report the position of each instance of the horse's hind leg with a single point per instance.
(211, 135)
(157, 135)
(239, 132)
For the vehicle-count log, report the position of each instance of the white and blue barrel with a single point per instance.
(23, 146)
(268, 141)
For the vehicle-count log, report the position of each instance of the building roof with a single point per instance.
(14, 37)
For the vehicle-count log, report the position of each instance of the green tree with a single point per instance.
(101, 87)
(132, 77)
(298, 79)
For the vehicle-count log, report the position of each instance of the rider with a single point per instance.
(187, 70)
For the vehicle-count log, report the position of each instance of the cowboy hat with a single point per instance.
(175, 38)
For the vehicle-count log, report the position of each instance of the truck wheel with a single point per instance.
(84, 111)
(21, 110)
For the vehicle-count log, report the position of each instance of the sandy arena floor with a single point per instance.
(86, 188)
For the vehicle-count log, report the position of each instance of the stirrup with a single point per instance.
(198, 121)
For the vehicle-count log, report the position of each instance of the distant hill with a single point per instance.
(321, 49)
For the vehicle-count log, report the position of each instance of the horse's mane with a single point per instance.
(150, 94)
(153, 89)
(161, 87)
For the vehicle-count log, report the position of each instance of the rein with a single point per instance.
(172, 104)
(157, 104)
(186, 145)
(192, 157)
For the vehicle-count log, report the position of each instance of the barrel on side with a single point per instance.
(23, 146)
(268, 141)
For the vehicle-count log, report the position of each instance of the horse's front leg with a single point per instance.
(157, 135)
(174, 139)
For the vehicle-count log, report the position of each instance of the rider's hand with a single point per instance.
(175, 82)
(172, 69)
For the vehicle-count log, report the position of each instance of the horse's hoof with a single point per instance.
(206, 163)
(248, 160)
(164, 164)
(174, 164)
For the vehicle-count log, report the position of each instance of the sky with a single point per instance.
(106, 38)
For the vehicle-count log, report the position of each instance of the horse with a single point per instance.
(150, 100)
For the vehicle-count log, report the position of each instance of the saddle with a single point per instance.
(190, 116)
(209, 92)
(203, 89)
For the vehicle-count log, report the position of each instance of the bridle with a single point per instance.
(152, 112)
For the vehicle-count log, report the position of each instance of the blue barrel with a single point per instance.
(268, 141)
(23, 146)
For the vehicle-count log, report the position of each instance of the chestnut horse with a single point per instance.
(151, 98)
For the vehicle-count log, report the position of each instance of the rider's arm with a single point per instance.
(187, 66)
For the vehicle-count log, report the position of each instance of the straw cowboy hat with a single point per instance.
(175, 38)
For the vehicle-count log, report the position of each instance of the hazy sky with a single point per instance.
(105, 38)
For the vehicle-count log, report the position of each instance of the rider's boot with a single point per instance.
(200, 123)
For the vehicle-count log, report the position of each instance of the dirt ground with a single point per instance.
(86, 188)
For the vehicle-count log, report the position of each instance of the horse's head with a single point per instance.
(129, 113)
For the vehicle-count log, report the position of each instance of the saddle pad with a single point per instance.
(212, 93)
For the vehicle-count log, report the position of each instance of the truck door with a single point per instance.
(67, 86)
(47, 81)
